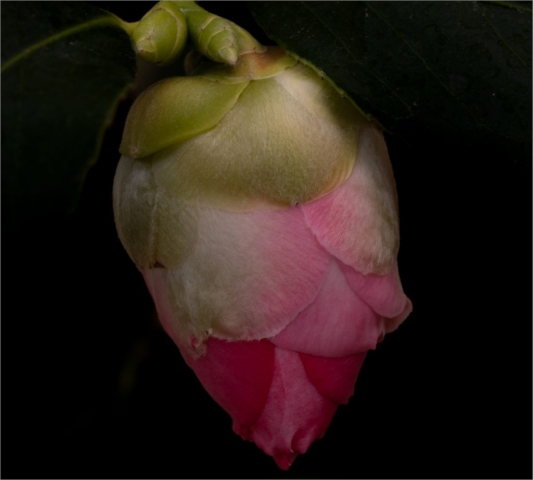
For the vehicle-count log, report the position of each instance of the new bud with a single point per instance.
(160, 35)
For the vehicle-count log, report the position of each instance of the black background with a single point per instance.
(92, 387)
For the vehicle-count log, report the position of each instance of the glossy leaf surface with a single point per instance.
(460, 71)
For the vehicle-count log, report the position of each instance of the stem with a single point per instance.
(126, 26)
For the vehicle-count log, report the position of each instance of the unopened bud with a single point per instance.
(161, 34)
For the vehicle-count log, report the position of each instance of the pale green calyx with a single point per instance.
(266, 132)
(161, 34)
(179, 108)
(175, 110)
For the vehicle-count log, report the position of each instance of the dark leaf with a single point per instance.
(459, 71)
(65, 67)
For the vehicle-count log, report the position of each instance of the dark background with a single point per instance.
(92, 387)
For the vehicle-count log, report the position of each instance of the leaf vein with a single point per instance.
(358, 62)
(516, 54)
(429, 69)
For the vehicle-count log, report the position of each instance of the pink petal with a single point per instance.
(337, 323)
(334, 378)
(295, 413)
(238, 375)
(358, 222)
(247, 277)
(393, 323)
(269, 395)
(384, 293)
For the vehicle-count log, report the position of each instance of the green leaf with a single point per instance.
(65, 67)
(458, 71)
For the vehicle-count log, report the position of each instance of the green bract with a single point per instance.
(267, 130)
(175, 110)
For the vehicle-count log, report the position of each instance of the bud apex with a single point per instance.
(217, 38)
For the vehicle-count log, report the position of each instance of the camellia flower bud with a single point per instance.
(261, 209)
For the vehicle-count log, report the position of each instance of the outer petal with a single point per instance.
(155, 228)
(334, 378)
(337, 323)
(393, 323)
(238, 375)
(294, 415)
(270, 392)
(248, 276)
(384, 293)
(358, 222)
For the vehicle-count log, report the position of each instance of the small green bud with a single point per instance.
(161, 34)
(217, 38)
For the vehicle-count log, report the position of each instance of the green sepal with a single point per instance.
(175, 110)
(272, 150)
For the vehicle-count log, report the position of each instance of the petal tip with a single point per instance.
(242, 430)
(285, 459)
(393, 323)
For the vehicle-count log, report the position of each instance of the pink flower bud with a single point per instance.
(268, 238)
